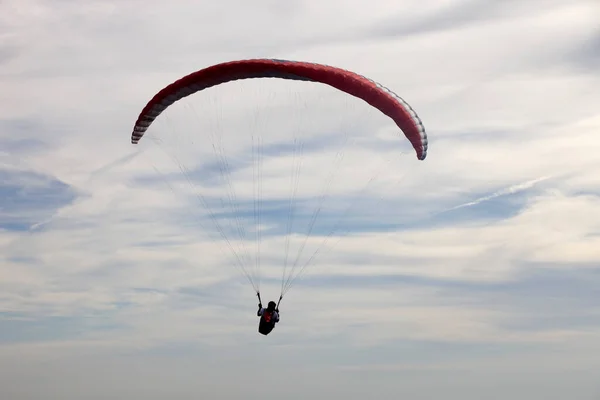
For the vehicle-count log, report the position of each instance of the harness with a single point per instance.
(267, 316)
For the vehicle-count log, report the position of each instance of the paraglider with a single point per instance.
(357, 85)
(371, 92)
(269, 317)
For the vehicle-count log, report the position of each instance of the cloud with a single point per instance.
(28, 197)
(114, 277)
(586, 56)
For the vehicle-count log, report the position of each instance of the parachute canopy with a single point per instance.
(248, 199)
(352, 83)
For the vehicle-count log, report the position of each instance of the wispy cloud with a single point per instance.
(114, 276)
(509, 190)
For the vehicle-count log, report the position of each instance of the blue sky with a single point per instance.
(473, 274)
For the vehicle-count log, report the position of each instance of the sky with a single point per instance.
(471, 274)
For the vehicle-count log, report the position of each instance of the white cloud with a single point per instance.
(507, 197)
